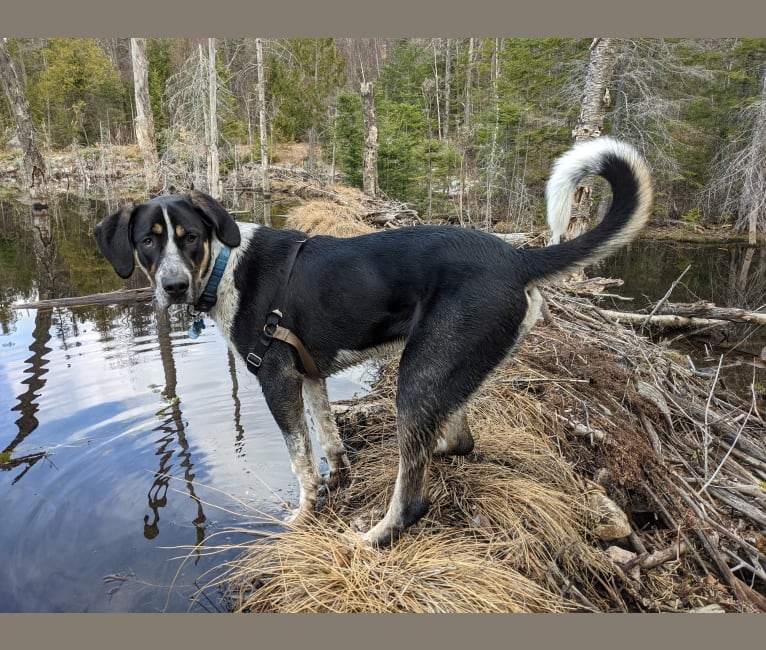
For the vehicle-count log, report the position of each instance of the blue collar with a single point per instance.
(210, 294)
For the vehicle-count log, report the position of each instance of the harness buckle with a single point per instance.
(254, 360)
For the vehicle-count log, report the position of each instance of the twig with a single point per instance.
(707, 435)
(728, 452)
(667, 295)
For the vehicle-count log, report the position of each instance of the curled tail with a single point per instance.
(628, 175)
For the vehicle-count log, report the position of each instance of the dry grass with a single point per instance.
(327, 217)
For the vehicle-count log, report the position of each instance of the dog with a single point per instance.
(297, 309)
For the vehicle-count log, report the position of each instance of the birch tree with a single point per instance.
(144, 123)
(212, 130)
(33, 163)
(196, 99)
(370, 164)
(262, 127)
(596, 100)
(447, 88)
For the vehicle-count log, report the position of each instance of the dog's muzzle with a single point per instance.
(174, 289)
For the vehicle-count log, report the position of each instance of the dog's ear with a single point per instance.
(223, 223)
(112, 235)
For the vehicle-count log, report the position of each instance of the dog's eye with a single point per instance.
(147, 242)
(190, 238)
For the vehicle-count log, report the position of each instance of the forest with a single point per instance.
(466, 128)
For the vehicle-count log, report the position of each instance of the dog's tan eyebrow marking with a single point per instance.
(180, 231)
(157, 229)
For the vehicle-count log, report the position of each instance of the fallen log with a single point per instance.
(691, 315)
(661, 321)
(710, 310)
(120, 297)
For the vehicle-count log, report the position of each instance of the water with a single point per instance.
(124, 444)
(730, 275)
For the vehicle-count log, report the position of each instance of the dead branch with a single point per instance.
(120, 297)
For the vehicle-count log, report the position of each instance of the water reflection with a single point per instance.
(730, 275)
(44, 257)
(239, 446)
(172, 429)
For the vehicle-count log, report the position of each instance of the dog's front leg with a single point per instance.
(282, 391)
(327, 429)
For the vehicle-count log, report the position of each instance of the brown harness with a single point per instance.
(273, 330)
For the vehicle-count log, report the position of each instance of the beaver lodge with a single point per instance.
(607, 476)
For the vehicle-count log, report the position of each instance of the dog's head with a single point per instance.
(170, 238)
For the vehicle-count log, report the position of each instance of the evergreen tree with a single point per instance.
(79, 94)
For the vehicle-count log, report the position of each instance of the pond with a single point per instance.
(124, 443)
(729, 275)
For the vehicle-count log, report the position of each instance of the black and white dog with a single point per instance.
(457, 301)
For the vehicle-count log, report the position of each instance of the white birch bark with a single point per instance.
(370, 162)
(212, 158)
(596, 100)
(144, 124)
(262, 126)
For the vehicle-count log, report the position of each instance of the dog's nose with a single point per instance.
(175, 287)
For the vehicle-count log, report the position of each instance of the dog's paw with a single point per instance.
(335, 477)
(298, 515)
(380, 535)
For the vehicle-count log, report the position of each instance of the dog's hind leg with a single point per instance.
(423, 403)
(285, 400)
(327, 430)
(447, 357)
(455, 437)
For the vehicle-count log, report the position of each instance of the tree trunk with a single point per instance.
(212, 159)
(595, 102)
(370, 163)
(33, 163)
(469, 74)
(145, 135)
(447, 89)
(492, 165)
(262, 129)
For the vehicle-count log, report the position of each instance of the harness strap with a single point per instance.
(273, 330)
(284, 334)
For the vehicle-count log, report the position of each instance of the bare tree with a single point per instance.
(263, 132)
(738, 184)
(193, 118)
(33, 162)
(740, 173)
(447, 88)
(493, 165)
(596, 100)
(370, 162)
(752, 200)
(145, 135)
(212, 130)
